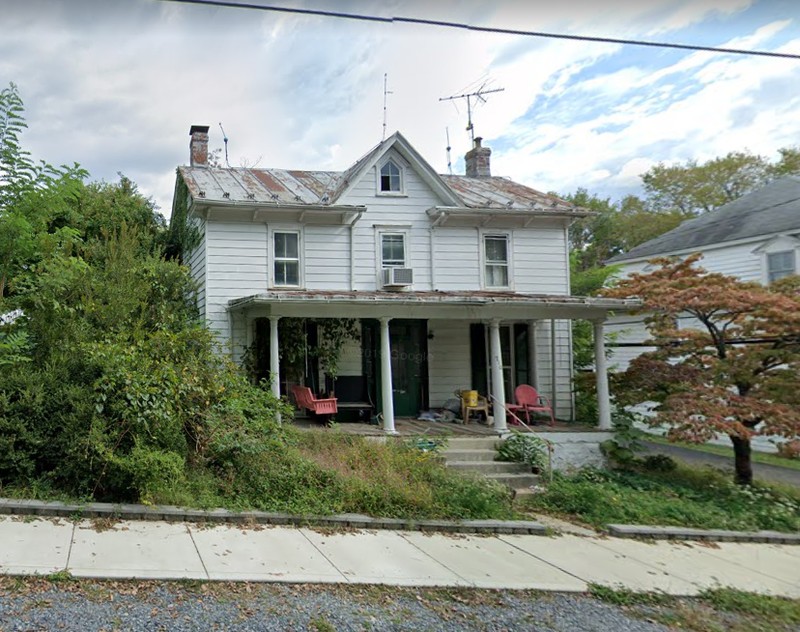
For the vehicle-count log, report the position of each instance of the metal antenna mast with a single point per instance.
(478, 94)
(225, 140)
(449, 164)
(385, 92)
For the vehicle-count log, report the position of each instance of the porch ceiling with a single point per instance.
(477, 305)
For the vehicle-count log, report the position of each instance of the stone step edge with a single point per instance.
(169, 513)
(686, 533)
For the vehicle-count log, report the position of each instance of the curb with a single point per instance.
(169, 513)
(715, 535)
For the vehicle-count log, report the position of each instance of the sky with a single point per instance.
(115, 85)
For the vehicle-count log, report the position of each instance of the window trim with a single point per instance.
(393, 233)
(389, 229)
(509, 237)
(273, 259)
(768, 272)
(401, 192)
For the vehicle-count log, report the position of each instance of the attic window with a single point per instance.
(390, 178)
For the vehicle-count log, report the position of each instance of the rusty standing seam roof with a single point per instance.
(281, 186)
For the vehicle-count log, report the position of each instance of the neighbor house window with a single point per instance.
(393, 250)
(286, 258)
(390, 178)
(780, 264)
(495, 251)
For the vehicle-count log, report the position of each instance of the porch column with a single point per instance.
(274, 357)
(533, 360)
(553, 368)
(387, 398)
(601, 374)
(498, 388)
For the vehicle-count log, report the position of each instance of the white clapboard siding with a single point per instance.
(197, 267)
(457, 258)
(237, 267)
(407, 212)
(449, 366)
(326, 260)
(539, 259)
(563, 388)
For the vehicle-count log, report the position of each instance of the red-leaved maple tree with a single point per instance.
(726, 359)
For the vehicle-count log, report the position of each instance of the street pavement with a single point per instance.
(566, 563)
(761, 471)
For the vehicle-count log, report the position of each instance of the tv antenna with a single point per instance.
(449, 165)
(386, 92)
(225, 141)
(478, 96)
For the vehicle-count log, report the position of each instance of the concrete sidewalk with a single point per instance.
(166, 550)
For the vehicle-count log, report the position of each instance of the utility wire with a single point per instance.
(484, 29)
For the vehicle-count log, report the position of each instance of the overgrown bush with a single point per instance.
(525, 448)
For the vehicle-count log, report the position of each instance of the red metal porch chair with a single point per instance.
(529, 401)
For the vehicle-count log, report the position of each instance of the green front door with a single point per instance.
(409, 342)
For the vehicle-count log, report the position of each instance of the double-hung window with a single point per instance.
(393, 250)
(286, 258)
(780, 264)
(496, 263)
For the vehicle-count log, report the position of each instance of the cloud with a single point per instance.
(115, 85)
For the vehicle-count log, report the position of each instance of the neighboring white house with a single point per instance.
(453, 278)
(754, 238)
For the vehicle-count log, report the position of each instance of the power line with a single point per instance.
(484, 29)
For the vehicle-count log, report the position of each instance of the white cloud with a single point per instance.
(116, 86)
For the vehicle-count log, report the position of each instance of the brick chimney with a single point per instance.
(198, 146)
(478, 159)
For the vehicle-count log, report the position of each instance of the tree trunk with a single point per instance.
(743, 463)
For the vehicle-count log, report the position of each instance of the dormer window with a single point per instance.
(390, 178)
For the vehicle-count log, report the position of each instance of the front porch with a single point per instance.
(409, 427)
(417, 348)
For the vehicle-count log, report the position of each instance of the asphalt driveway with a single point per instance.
(768, 473)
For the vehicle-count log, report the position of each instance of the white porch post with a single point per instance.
(601, 374)
(387, 397)
(498, 388)
(274, 359)
(553, 368)
(533, 360)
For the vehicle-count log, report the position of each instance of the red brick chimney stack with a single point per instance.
(198, 146)
(478, 160)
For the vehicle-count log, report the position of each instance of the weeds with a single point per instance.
(682, 497)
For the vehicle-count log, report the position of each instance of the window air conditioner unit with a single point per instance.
(397, 277)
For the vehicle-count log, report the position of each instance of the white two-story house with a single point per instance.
(754, 238)
(456, 282)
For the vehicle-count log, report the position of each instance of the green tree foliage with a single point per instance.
(117, 391)
(693, 188)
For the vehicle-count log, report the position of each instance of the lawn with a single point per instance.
(758, 457)
(690, 497)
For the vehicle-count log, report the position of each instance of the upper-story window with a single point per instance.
(496, 262)
(393, 250)
(286, 258)
(780, 264)
(391, 178)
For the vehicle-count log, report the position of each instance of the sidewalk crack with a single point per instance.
(197, 550)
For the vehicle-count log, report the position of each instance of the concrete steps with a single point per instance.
(477, 455)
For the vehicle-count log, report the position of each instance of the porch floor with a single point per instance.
(410, 427)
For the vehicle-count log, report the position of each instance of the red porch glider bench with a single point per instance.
(305, 399)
